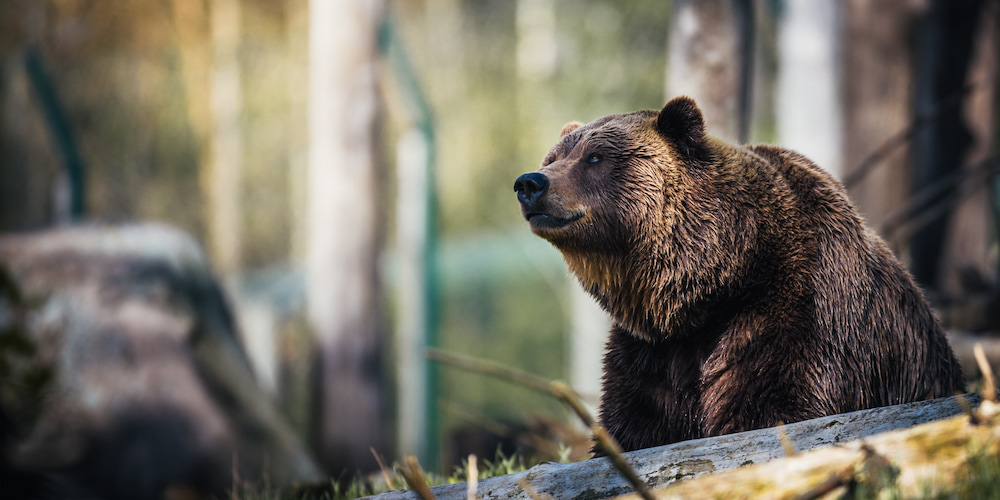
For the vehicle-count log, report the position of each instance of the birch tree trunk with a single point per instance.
(709, 57)
(343, 229)
(222, 176)
(297, 26)
(808, 95)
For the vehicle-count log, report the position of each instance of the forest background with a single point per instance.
(209, 115)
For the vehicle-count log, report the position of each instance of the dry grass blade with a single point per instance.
(989, 385)
(473, 477)
(415, 478)
(967, 409)
(786, 443)
(381, 467)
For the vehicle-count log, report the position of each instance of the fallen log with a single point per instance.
(924, 461)
(665, 465)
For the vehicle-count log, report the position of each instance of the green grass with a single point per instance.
(358, 486)
(980, 481)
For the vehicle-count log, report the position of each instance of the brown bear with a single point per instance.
(744, 287)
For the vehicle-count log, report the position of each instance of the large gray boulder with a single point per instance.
(144, 389)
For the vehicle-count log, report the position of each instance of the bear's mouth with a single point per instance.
(540, 221)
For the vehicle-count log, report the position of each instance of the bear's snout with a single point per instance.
(530, 187)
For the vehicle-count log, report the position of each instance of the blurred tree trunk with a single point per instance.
(297, 27)
(808, 95)
(222, 176)
(972, 226)
(31, 173)
(208, 37)
(190, 23)
(877, 86)
(710, 58)
(945, 46)
(344, 228)
(29, 164)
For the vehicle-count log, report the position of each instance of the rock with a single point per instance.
(150, 391)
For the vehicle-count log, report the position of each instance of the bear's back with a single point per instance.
(884, 334)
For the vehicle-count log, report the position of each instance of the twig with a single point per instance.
(610, 447)
(932, 202)
(473, 477)
(989, 386)
(385, 470)
(414, 476)
(567, 395)
(560, 390)
(489, 368)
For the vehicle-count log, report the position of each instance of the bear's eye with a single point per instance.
(594, 158)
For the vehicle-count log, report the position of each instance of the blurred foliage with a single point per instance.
(496, 118)
(495, 121)
(981, 480)
(373, 484)
(134, 78)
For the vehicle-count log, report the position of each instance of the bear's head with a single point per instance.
(632, 203)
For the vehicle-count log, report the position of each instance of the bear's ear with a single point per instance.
(569, 127)
(681, 122)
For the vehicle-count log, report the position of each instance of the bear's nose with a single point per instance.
(530, 187)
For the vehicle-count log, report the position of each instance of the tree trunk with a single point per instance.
(709, 55)
(297, 26)
(808, 95)
(222, 174)
(944, 48)
(344, 229)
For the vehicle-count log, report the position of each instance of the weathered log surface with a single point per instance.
(664, 465)
(923, 461)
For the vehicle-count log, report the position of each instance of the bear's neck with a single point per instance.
(645, 298)
(672, 290)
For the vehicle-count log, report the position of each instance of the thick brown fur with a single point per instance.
(745, 289)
